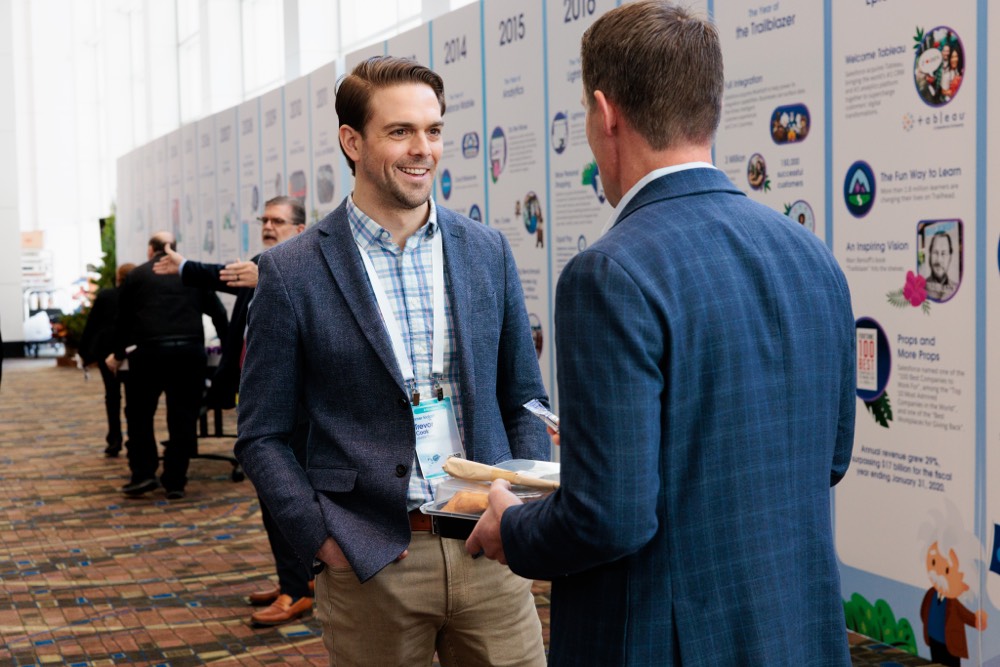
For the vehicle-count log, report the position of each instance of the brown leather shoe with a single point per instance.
(264, 597)
(282, 611)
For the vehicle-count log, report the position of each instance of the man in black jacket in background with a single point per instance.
(162, 318)
(96, 343)
(284, 218)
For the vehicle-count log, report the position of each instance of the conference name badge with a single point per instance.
(437, 436)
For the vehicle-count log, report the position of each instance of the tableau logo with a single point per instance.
(470, 145)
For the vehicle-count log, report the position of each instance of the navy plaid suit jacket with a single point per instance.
(705, 351)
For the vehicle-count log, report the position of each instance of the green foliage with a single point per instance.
(69, 328)
(109, 267)
(879, 623)
(897, 299)
(918, 39)
(881, 409)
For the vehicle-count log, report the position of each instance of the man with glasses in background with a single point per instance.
(284, 218)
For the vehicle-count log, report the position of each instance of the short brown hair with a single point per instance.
(123, 271)
(661, 66)
(354, 90)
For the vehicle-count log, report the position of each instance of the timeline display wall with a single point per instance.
(516, 141)
(227, 186)
(324, 143)
(208, 223)
(250, 204)
(863, 120)
(772, 120)
(297, 153)
(188, 242)
(175, 180)
(458, 58)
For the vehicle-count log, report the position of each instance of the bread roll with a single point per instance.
(467, 502)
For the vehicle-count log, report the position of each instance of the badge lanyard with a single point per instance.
(392, 324)
(437, 435)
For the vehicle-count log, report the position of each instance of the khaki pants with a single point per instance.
(471, 611)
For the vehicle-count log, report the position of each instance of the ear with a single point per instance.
(607, 112)
(351, 140)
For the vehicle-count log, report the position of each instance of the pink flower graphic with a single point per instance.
(915, 290)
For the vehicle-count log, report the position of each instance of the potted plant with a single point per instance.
(69, 330)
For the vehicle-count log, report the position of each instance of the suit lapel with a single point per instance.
(344, 260)
(459, 269)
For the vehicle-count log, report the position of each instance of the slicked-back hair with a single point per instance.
(355, 90)
(661, 66)
(298, 210)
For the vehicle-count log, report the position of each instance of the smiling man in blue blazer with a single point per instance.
(401, 327)
(706, 378)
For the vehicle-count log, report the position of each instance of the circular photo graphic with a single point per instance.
(802, 213)
(939, 67)
(859, 189)
(560, 132)
(531, 212)
(498, 153)
(446, 184)
(475, 213)
(874, 359)
(756, 171)
(324, 184)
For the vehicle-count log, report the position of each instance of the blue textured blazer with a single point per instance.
(316, 335)
(706, 381)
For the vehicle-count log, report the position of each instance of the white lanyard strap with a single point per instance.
(392, 324)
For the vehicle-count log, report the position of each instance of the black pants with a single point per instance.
(179, 372)
(112, 404)
(293, 575)
(940, 654)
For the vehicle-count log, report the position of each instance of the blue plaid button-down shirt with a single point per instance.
(407, 280)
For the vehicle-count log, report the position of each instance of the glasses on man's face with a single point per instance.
(277, 222)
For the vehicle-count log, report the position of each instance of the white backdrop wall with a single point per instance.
(91, 80)
(838, 115)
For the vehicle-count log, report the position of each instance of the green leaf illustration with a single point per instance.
(881, 409)
(897, 299)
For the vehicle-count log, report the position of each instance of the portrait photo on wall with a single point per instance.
(790, 123)
(939, 67)
(939, 257)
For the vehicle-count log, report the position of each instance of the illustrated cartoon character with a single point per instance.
(943, 616)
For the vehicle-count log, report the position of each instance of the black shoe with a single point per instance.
(138, 488)
(112, 451)
(175, 494)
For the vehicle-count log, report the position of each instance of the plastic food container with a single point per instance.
(460, 525)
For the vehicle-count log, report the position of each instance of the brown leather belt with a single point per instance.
(421, 521)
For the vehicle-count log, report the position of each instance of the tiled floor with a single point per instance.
(90, 578)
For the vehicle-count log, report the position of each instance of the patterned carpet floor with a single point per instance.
(90, 578)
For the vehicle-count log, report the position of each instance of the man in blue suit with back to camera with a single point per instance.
(401, 328)
(707, 391)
